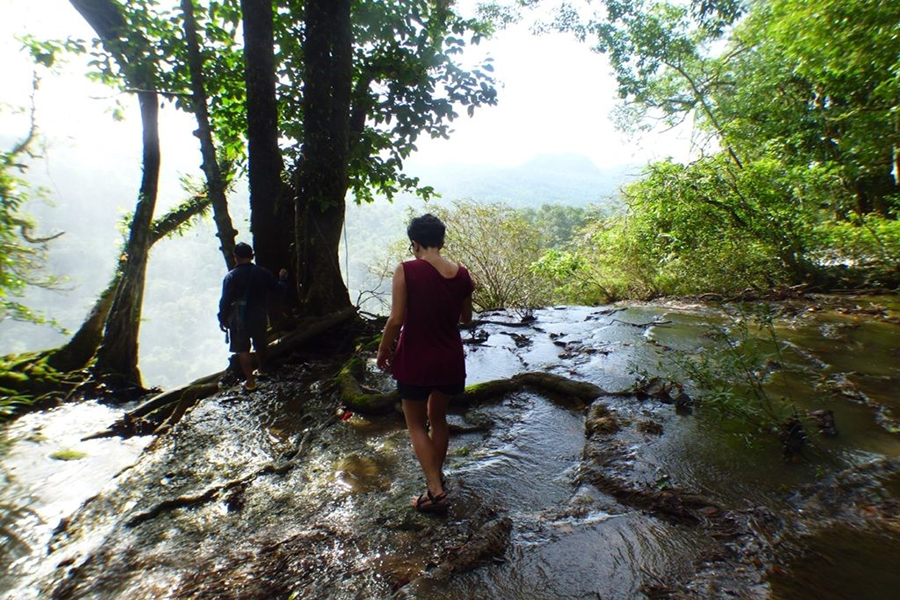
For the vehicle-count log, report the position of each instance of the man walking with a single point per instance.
(242, 309)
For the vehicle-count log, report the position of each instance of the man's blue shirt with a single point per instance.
(244, 292)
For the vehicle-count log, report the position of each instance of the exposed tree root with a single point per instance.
(159, 413)
(359, 399)
(478, 322)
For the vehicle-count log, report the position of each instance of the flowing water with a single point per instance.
(205, 512)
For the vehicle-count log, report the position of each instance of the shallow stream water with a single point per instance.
(337, 524)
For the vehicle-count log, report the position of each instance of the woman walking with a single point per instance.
(431, 296)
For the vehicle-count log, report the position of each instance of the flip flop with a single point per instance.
(429, 503)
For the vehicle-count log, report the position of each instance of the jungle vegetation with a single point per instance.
(795, 106)
(796, 110)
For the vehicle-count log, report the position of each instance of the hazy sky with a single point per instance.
(555, 96)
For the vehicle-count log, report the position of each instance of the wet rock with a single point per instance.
(844, 385)
(520, 340)
(825, 422)
(858, 493)
(399, 570)
(305, 565)
(474, 422)
(683, 402)
(487, 544)
(792, 437)
(361, 474)
(650, 427)
(600, 420)
(667, 392)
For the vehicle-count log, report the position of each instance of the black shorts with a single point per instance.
(421, 392)
(242, 336)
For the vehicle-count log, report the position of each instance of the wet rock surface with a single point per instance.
(271, 495)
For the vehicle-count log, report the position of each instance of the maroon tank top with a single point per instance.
(430, 351)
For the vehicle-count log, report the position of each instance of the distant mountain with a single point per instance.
(570, 179)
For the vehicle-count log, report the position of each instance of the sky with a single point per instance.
(554, 97)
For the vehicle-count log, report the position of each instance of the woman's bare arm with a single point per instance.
(465, 315)
(395, 320)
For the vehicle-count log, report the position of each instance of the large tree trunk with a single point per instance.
(79, 350)
(215, 185)
(265, 164)
(118, 353)
(322, 173)
(271, 207)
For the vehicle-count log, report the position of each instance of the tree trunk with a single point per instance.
(872, 192)
(270, 241)
(215, 186)
(271, 206)
(118, 353)
(79, 351)
(322, 174)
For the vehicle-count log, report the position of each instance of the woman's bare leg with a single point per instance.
(425, 447)
(440, 433)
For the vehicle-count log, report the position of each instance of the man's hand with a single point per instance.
(283, 274)
(385, 358)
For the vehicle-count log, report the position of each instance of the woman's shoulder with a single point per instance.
(415, 263)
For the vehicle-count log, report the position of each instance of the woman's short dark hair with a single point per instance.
(427, 231)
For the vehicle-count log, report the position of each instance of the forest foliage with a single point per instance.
(22, 251)
(802, 100)
(332, 96)
(795, 107)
